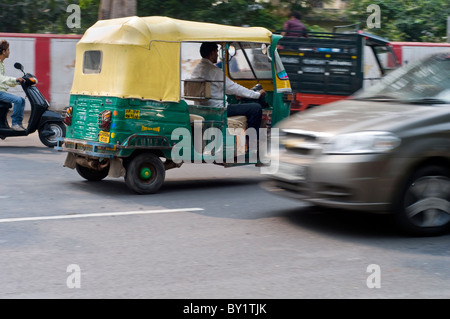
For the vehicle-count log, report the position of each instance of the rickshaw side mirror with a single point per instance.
(231, 51)
(265, 49)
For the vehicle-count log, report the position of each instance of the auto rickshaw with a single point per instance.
(135, 112)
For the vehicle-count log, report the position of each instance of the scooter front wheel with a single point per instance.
(50, 132)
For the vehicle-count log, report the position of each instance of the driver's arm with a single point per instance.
(233, 88)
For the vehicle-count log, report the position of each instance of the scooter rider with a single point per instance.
(5, 83)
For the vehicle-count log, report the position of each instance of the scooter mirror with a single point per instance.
(18, 66)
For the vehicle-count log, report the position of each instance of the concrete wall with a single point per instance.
(51, 58)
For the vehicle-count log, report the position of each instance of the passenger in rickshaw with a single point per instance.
(207, 70)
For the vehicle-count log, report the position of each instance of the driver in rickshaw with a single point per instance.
(207, 70)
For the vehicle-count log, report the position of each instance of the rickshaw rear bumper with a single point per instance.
(86, 148)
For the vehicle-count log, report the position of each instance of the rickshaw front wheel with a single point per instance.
(92, 175)
(145, 174)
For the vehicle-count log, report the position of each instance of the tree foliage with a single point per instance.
(405, 20)
(44, 16)
(235, 12)
(30, 15)
(302, 6)
(401, 20)
(39, 16)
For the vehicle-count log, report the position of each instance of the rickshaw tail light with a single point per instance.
(288, 97)
(104, 120)
(68, 116)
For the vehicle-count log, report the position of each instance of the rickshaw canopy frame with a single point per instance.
(141, 55)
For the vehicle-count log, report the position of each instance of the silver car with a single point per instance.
(387, 149)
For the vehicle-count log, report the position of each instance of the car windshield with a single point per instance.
(427, 82)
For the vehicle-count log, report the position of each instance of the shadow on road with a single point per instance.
(343, 223)
(351, 224)
(113, 187)
(15, 149)
(218, 184)
(208, 193)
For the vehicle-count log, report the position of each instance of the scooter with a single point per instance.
(49, 124)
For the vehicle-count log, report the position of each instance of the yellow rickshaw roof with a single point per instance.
(141, 31)
(140, 57)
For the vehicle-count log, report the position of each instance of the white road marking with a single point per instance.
(142, 212)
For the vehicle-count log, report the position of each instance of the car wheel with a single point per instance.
(424, 205)
(145, 174)
(92, 175)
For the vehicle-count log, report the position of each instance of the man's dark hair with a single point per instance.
(4, 45)
(296, 14)
(206, 48)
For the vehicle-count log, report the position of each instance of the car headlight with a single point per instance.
(362, 143)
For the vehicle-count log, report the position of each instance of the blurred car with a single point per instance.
(387, 149)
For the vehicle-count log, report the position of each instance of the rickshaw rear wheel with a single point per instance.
(92, 175)
(145, 174)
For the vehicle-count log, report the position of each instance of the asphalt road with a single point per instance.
(210, 232)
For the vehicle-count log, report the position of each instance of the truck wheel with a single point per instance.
(92, 175)
(50, 132)
(424, 205)
(145, 174)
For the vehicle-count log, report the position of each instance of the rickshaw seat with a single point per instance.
(239, 121)
(196, 118)
(197, 89)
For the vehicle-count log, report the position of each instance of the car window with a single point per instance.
(427, 79)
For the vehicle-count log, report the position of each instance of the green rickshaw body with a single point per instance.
(132, 112)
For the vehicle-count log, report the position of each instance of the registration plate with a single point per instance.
(291, 172)
(104, 137)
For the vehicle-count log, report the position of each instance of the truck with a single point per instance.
(409, 52)
(324, 67)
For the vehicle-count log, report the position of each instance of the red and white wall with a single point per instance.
(50, 57)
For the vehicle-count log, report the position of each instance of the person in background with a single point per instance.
(294, 27)
(5, 83)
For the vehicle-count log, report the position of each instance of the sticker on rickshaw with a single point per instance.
(156, 129)
(132, 114)
(104, 137)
